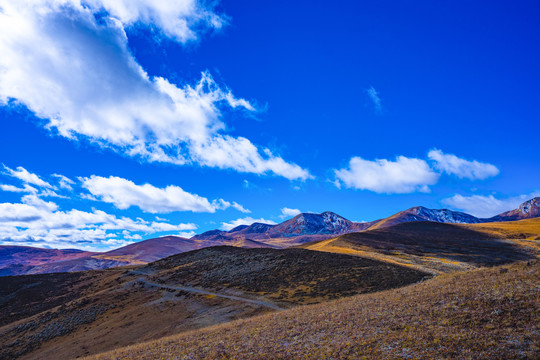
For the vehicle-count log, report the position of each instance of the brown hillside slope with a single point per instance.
(489, 313)
(433, 247)
(526, 232)
(65, 315)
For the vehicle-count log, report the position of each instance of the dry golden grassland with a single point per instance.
(523, 232)
(490, 313)
(66, 315)
(441, 248)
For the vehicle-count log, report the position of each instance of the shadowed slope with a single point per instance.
(289, 275)
(430, 246)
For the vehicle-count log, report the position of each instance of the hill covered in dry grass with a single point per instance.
(441, 248)
(65, 315)
(489, 313)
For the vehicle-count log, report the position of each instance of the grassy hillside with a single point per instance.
(526, 233)
(489, 313)
(295, 276)
(434, 247)
(65, 315)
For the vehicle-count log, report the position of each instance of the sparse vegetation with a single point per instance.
(432, 247)
(62, 316)
(481, 314)
(291, 276)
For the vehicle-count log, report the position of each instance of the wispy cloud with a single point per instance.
(64, 182)
(26, 177)
(375, 99)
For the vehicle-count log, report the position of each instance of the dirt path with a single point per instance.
(205, 292)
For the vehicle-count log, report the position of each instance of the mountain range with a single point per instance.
(301, 229)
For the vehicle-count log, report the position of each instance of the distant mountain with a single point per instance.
(311, 224)
(252, 231)
(138, 253)
(421, 213)
(528, 210)
(301, 229)
(255, 228)
(31, 256)
(146, 251)
(211, 235)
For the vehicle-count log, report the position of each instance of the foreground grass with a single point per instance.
(481, 314)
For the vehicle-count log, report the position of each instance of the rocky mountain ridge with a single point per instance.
(301, 229)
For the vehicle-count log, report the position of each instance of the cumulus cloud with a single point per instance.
(404, 175)
(35, 222)
(486, 206)
(125, 193)
(375, 99)
(462, 168)
(68, 61)
(244, 221)
(287, 212)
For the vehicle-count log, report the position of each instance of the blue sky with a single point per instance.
(122, 121)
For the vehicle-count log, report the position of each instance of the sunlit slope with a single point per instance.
(429, 246)
(523, 232)
(489, 313)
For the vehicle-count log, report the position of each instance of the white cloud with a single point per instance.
(405, 175)
(462, 168)
(375, 98)
(64, 182)
(68, 61)
(177, 19)
(244, 221)
(486, 206)
(186, 234)
(287, 212)
(35, 222)
(124, 193)
(26, 177)
(222, 204)
(26, 189)
(240, 154)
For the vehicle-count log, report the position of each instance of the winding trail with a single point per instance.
(205, 292)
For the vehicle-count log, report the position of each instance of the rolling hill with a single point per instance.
(20, 259)
(489, 313)
(65, 315)
(438, 247)
(68, 315)
(138, 253)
